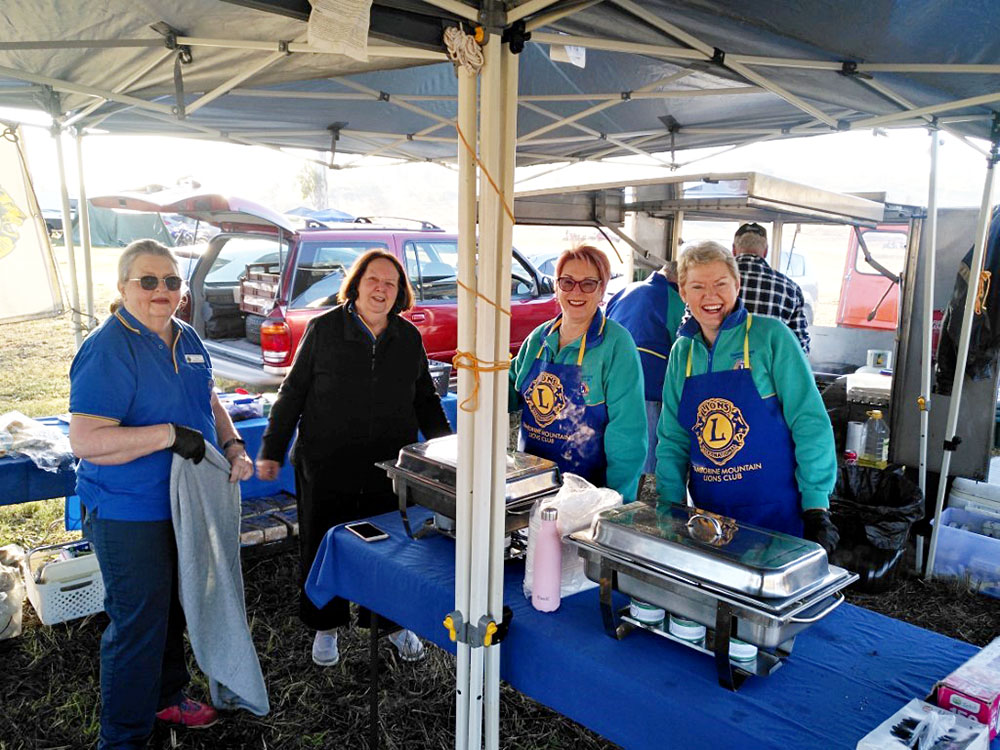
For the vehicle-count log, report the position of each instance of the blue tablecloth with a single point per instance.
(847, 673)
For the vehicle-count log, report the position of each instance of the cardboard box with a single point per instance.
(973, 690)
(928, 725)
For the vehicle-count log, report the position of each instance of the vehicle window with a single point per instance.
(432, 267)
(229, 267)
(521, 282)
(888, 248)
(321, 269)
(795, 265)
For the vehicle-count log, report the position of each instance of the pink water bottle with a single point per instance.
(547, 571)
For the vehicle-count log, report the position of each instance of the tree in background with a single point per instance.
(311, 180)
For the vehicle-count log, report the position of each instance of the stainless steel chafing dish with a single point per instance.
(739, 581)
(426, 473)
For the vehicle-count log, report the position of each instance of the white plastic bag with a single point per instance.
(577, 501)
(46, 446)
(11, 592)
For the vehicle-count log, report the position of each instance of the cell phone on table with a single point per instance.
(366, 531)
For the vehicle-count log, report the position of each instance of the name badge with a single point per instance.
(194, 359)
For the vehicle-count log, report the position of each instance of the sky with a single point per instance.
(896, 162)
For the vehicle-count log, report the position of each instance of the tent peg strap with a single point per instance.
(952, 445)
(719, 57)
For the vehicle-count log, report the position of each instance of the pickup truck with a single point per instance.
(260, 281)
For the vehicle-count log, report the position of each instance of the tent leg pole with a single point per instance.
(976, 268)
(68, 237)
(505, 179)
(465, 420)
(926, 370)
(83, 211)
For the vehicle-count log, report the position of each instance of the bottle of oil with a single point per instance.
(875, 443)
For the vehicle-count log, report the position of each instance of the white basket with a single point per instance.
(62, 600)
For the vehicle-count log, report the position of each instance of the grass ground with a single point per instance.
(49, 694)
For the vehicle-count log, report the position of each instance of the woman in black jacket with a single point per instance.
(359, 390)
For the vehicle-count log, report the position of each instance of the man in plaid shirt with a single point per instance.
(764, 290)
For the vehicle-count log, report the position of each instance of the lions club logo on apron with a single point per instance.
(546, 398)
(721, 429)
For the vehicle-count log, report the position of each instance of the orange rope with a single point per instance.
(483, 297)
(489, 178)
(984, 290)
(469, 361)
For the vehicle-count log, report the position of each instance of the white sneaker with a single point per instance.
(409, 646)
(324, 651)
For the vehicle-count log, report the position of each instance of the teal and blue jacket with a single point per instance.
(780, 371)
(613, 375)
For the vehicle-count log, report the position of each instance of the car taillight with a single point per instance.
(275, 341)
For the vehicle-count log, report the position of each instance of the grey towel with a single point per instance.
(206, 517)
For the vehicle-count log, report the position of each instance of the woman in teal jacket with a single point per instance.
(743, 425)
(579, 381)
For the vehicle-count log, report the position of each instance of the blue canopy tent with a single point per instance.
(659, 78)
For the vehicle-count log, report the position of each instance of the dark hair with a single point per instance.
(349, 288)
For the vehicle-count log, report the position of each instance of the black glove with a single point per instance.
(188, 443)
(820, 529)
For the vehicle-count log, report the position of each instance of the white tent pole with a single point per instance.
(972, 101)
(486, 330)
(138, 75)
(79, 88)
(975, 269)
(525, 9)
(929, 262)
(468, 12)
(527, 137)
(504, 178)
(545, 19)
(68, 237)
(83, 212)
(466, 381)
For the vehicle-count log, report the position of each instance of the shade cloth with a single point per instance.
(846, 673)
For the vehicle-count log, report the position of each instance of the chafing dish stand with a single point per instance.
(739, 581)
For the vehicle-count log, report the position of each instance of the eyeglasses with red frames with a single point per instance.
(149, 283)
(587, 286)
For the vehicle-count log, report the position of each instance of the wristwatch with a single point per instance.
(233, 441)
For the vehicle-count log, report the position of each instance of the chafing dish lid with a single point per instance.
(437, 460)
(715, 548)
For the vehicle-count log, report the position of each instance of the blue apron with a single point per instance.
(558, 424)
(742, 452)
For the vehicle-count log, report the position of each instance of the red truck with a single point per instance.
(260, 280)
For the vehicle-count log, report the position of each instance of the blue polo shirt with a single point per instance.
(124, 373)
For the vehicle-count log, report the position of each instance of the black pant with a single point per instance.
(322, 507)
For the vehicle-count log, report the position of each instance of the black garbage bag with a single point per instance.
(873, 510)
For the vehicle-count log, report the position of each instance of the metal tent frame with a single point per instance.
(662, 77)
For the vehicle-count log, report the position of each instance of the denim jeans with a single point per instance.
(142, 650)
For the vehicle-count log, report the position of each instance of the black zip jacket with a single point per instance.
(355, 402)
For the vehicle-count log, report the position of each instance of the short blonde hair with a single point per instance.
(588, 254)
(701, 254)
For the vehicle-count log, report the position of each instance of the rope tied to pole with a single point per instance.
(464, 50)
(469, 361)
(983, 291)
(9, 134)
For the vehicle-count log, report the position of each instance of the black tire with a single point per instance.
(253, 328)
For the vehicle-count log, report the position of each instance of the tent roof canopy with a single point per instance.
(660, 76)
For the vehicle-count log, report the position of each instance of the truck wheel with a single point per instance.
(253, 328)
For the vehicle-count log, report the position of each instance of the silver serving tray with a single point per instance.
(718, 550)
(426, 474)
(434, 464)
(766, 623)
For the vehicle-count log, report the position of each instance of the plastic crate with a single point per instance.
(967, 552)
(74, 587)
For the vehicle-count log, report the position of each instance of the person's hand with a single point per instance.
(819, 528)
(267, 470)
(240, 465)
(187, 443)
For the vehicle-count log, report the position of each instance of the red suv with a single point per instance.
(260, 280)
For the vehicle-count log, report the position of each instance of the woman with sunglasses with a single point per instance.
(743, 426)
(578, 382)
(140, 388)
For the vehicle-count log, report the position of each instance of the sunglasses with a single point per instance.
(587, 286)
(149, 283)
(754, 228)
